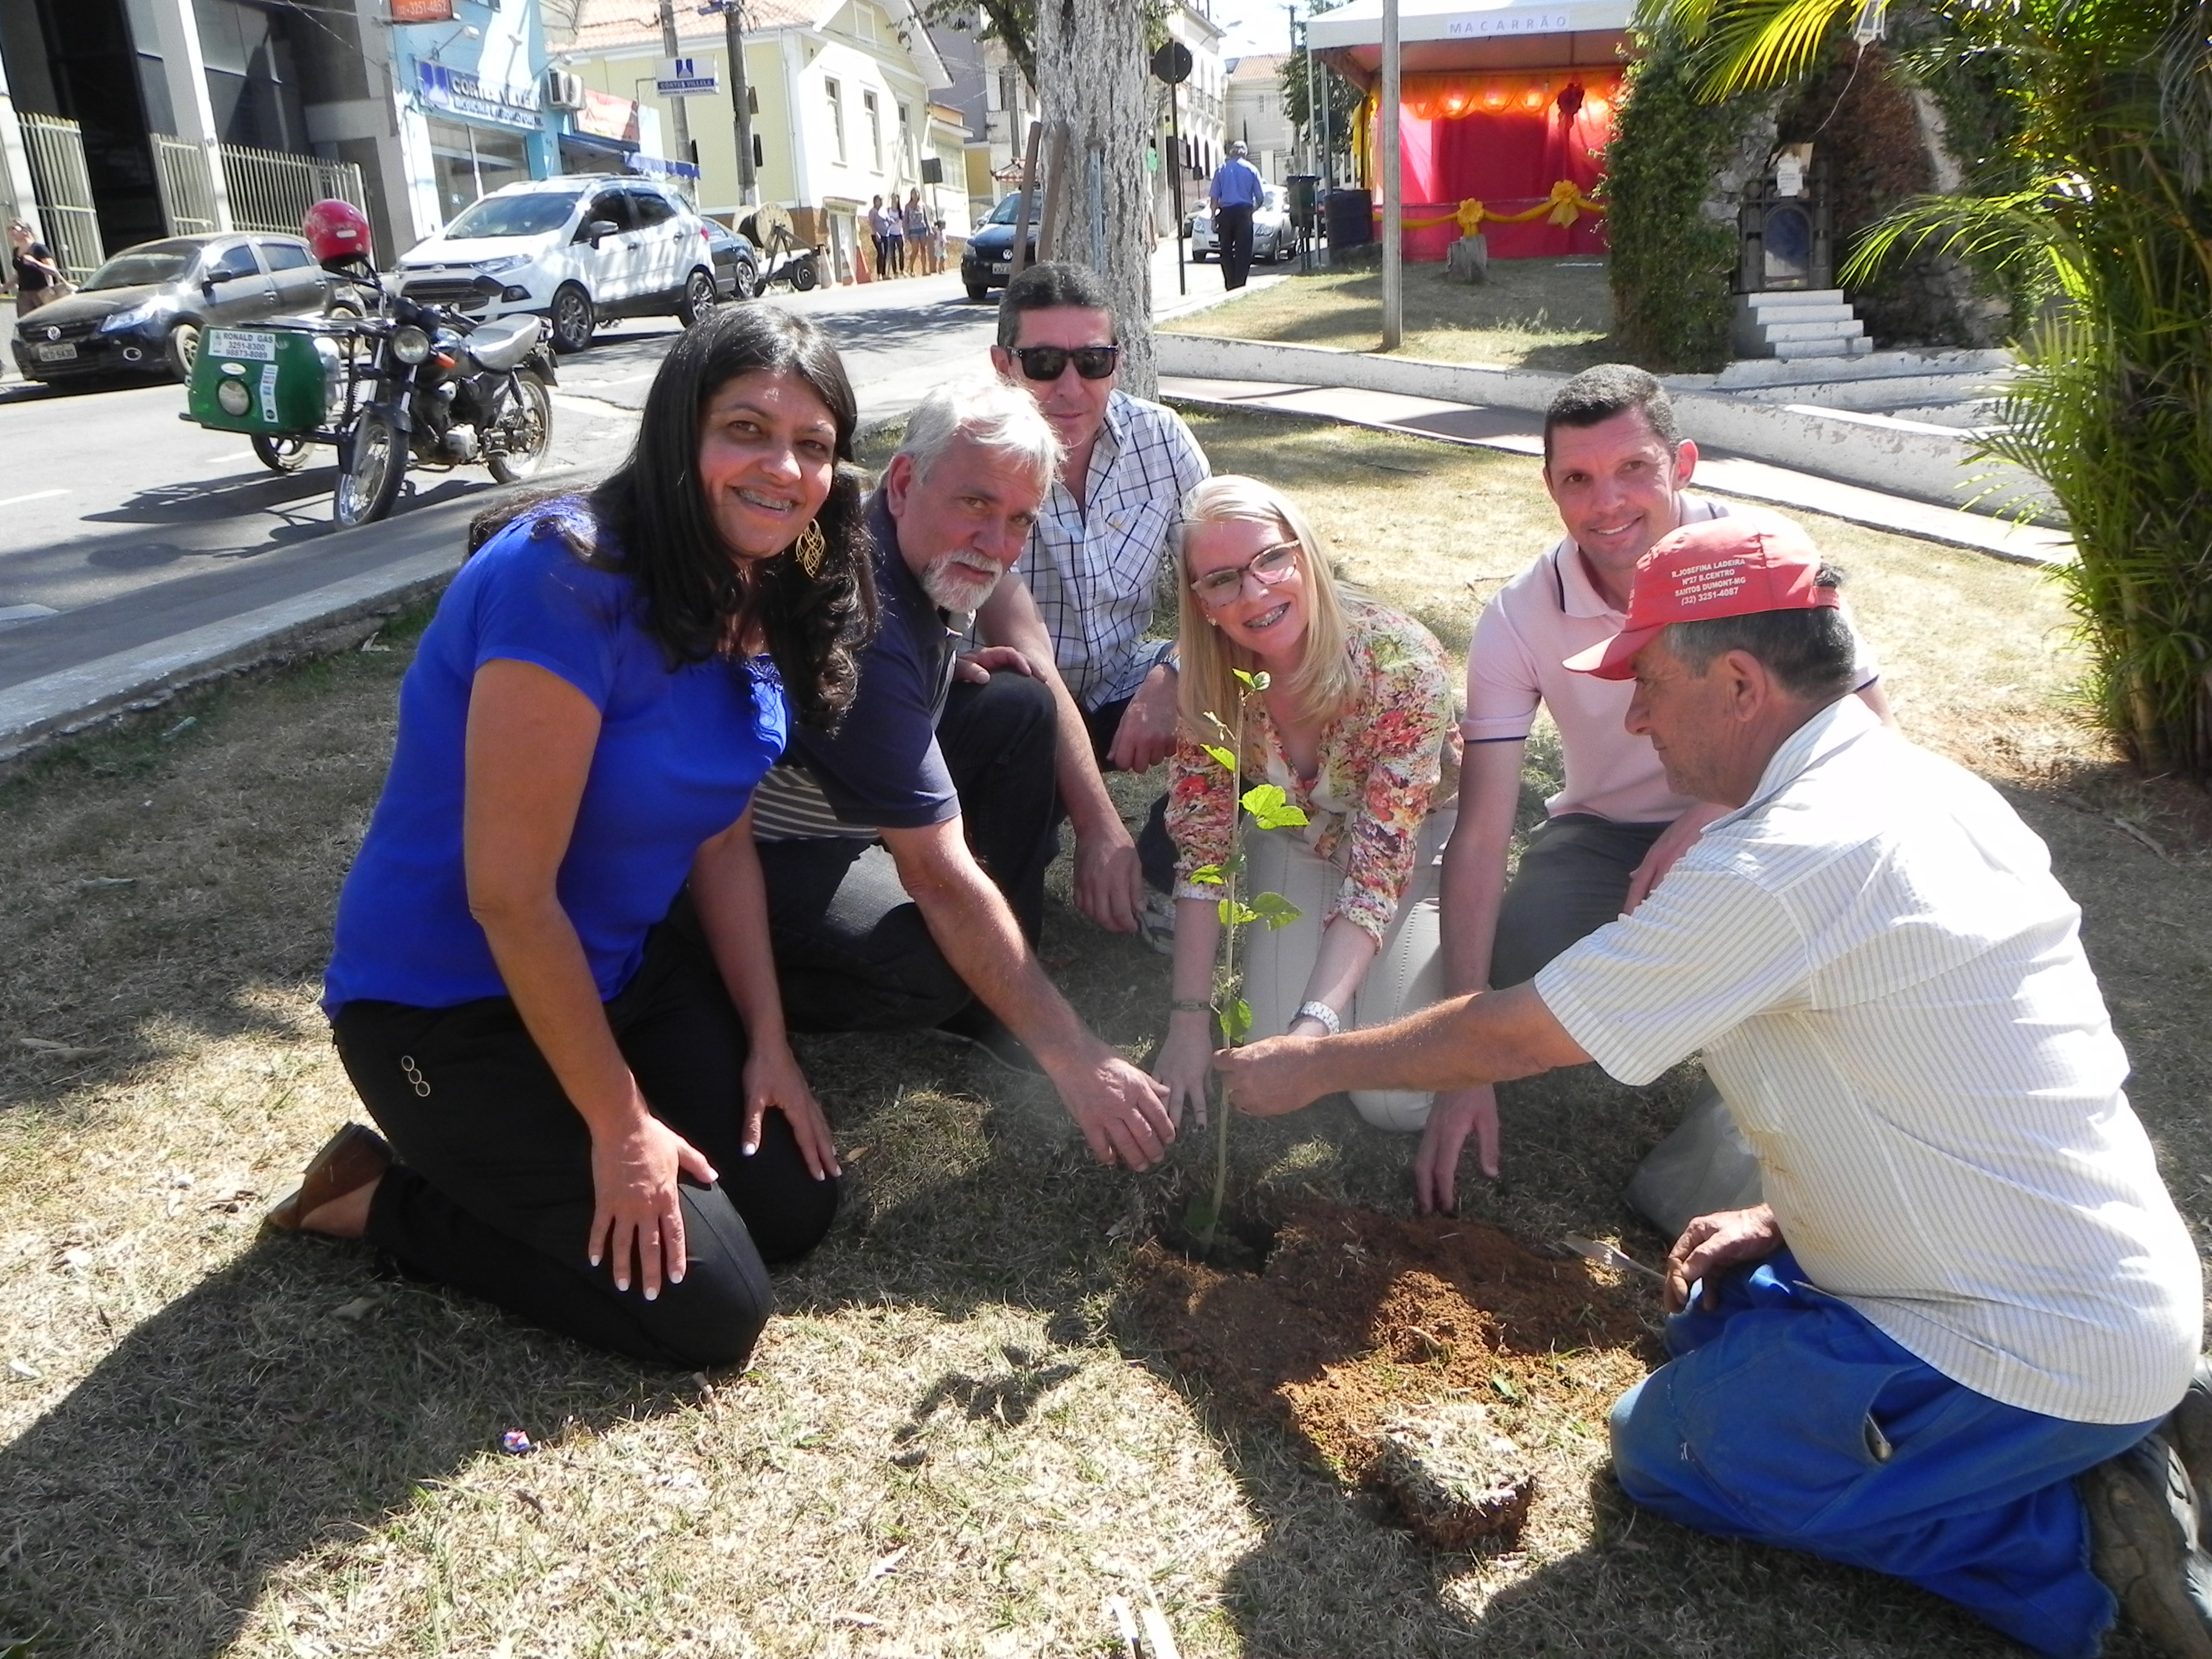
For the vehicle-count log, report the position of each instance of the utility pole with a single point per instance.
(733, 38)
(1293, 10)
(1394, 266)
(674, 48)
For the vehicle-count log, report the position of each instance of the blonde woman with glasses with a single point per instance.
(1358, 726)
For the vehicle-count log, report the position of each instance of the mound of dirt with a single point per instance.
(1362, 1324)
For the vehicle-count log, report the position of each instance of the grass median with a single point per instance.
(957, 1437)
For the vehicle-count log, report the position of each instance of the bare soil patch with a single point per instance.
(1361, 1320)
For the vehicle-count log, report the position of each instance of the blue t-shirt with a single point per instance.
(1237, 183)
(678, 755)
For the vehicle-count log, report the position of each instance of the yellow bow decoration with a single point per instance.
(1563, 206)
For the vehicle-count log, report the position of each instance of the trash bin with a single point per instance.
(1351, 218)
(1303, 187)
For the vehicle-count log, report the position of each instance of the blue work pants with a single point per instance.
(1786, 1418)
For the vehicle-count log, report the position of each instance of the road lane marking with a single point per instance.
(35, 496)
(23, 613)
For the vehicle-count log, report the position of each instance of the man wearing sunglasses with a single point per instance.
(1093, 567)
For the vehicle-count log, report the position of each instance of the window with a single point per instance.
(230, 264)
(836, 95)
(651, 206)
(286, 256)
(875, 130)
(612, 206)
(906, 140)
(864, 19)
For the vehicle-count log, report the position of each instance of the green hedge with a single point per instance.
(1670, 267)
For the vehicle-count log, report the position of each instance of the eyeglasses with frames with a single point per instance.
(1047, 362)
(1268, 567)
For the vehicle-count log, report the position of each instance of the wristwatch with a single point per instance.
(1322, 1015)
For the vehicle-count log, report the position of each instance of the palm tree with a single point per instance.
(2114, 408)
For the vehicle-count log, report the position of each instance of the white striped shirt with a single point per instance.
(1890, 990)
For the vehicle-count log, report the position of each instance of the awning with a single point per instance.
(1460, 34)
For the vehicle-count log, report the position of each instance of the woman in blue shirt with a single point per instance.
(552, 984)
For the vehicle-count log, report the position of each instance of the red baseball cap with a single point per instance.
(1721, 567)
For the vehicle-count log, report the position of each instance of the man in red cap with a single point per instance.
(1619, 471)
(1947, 1345)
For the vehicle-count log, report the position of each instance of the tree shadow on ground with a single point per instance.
(286, 1400)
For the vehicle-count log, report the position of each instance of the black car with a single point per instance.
(737, 264)
(988, 261)
(141, 312)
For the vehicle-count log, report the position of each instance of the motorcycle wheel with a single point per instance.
(530, 425)
(280, 454)
(802, 276)
(371, 460)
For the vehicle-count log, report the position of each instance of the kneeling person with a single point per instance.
(905, 855)
(1967, 1286)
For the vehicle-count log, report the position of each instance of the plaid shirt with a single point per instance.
(1095, 571)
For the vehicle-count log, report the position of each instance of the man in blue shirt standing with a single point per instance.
(1236, 191)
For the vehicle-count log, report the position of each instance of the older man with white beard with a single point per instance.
(904, 855)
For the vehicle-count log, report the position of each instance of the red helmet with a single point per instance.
(336, 230)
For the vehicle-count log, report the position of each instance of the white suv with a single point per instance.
(574, 250)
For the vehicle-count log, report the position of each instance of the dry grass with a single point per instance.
(957, 1439)
(1532, 313)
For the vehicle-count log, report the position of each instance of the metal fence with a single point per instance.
(270, 192)
(63, 188)
(188, 189)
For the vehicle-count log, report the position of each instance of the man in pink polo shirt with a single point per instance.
(1617, 467)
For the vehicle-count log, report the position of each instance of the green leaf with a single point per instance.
(1274, 909)
(1505, 1385)
(1271, 808)
(1259, 682)
(1221, 758)
(1237, 1021)
(1198, 1216)
(1207, 875)
(1250, 680)
(1234, 913)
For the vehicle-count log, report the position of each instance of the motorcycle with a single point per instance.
(428, 385)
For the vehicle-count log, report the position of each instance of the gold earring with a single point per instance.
(810, 549)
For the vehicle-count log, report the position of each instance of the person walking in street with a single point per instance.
(551, 983)
(1958, 1340)
(38, 277)
(1237, 190)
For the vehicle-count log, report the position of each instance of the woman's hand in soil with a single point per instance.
(1456, 1114)
(1185, 1064)
(773, 1079)
(1272, 1078)
(636, 1204)
(1712, 1243)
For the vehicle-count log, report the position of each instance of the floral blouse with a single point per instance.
(1385, 764)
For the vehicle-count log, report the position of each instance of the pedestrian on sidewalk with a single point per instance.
(894, 238)
(917, 235)
(1237, 190)
(879, 234)
(38, 277)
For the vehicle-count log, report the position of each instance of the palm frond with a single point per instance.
(2184, 91)
(2015, 233)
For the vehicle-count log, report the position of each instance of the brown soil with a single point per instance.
(1362, 1319)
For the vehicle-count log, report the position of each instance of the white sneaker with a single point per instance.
(1157, 922)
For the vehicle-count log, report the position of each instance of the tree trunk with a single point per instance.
(1091, 69)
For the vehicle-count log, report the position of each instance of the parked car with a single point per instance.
(576, 249)
(737, 262)
(988, 261)
(1273, 236)
(141, 312)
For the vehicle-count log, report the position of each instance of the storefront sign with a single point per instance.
(1508, 22)
(687, 77)
(462, 94)
(421, 11)
(606, 116)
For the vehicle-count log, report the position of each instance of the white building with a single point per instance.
(840, 94)
(1197, 141)
(1256, 115)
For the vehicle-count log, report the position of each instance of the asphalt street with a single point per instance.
(123, 526)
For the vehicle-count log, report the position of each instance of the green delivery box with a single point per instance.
(275, 380)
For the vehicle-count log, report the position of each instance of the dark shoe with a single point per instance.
(981, 1032)
(2189, 1432)
(349, 1160)
(2143, 1544)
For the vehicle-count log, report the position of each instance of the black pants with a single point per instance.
(1232, 236)
(852, 952)
(1156, 848)
(493, 1190)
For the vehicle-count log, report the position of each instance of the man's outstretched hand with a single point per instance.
(1271, 1078)
(1712, 1243)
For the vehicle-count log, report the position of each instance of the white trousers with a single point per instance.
(1406, 974)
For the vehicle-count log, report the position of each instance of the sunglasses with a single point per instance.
(1047, 362)
(1266, 566)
